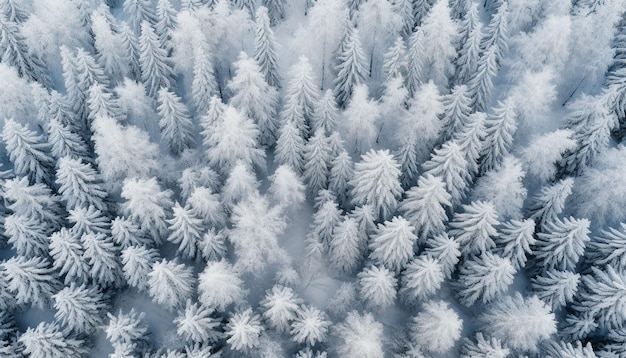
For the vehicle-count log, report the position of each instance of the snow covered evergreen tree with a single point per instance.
(317, 158)
(456, 111)
(80, 308)
(244, 330)
(196, 324)
(301, 96)
(280, 307)
(393, 244)
(147, 205)
(445, 249)
(311, 326)
(139, 11)
(156, 71)
(48, 340)
(474, 228)
(170, 283)
(80, 184)
(377, 287)
(480, 85)
(439, 44)
(125, 233)
(65, 142)
(186, 230)
(32, 280)
(470, 41)
(265, 46)
(556, 288)
(449, 164)
(127, 329)
(103, 258)
(137, 264)
(550, 202)
(27, 235)
(421, 278)
(425, 206)
(376, 182)
(219, 285)
(394, 62)
(602, 296)
(177, 129)
(28, 152)
(360, 119)
(484, 278)
(484, 347)
(608, 248)
(286, 188)
(500, 127)
(515, 241)
(290, 146)
(436, 328)
(561, 243)
(360, 336)
(67, 254)
(350, 66)
(346, 246)
(204, 84)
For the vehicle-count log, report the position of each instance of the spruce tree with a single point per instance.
(350, 66)
(130, 47)
(377, 287)
(166, 21)
(608, 248)
(109, 46)
(341, 173)
(345, 247)
(484, 278)
(280, 306)
(156, 71)
(301, 96)
(440, 33)
(317, 158)
(500, 127)
(80, 308)
(80, 184)
(421, 278)
(137, 264)
(13, 10)
(471, 139)
(550, 202)
(28, 152)
(177, 129)
(561, 243)
(470, 40)
(311, 326)
(515, 241)
(103, 258)
(185, 231)
(147, 205)
(496, 33)
(326, 114)
(393, 244)
(394, 63)
(170, 283)
(100, 102)
(456, 111)
(415, 62)
(196, 324)
(602, 296)
(67, 255)
(480, 85)
(31, 280)
(446, 250)
(265, 47)
(204, 84)
(139, 11)
(556, 288)
(449, 164)
(474, 228)
(48, 340)
(290, 147)
(27, 235)
(275, 10)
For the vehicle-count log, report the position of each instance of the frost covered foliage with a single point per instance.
(312, 178)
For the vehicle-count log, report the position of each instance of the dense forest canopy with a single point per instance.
(312, 178)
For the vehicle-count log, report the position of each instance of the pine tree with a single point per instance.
(286, 188)
(496, 33)
(456, 111)
(185, 230)
(500, 127)
(156, 71)
(561, 243)
(254, 97)
(130, 46)
(265, 47)
(602, 297)
(240, 184)
(15, 52)
(126, 233)
(175, 122)
(244, 330)
(376, 182)
(126, 328)
(436, 328)
(471, 137)
(275, 10)
(440, 33)
(404, 8)
(301, 96)
(170, 283)
(109, 46)
(446, 250)
(86, 72)
(196, 325)
(393, 244)
(563, 349)
(515, 241)
(234, 139)
(394, 63)
(449, 164)
(103, 258)
(421, 278)
(484, 347)
(556, 288)
(280, 307)
(204, 84)
(88, 220)
(27, 235)
(345, 247)
(137, 262)
(205, 205)
(360, 119)
(166, 21)
(470, 40)
(326, 114)
(425, 206)
(146, 204)
(28, 152)
(80, 184)
(290, 147)
(421, 9)
(198, 177)
(608, 248)
(101, 103)
(32, 280)
(311, 326)
(415, 62)
(421, 125)
(360, 336)
(480, 85)
(219, 285)
(33, 201)
(211, 119)
(350, 66)
(13, 10)
(341, 172)
(80, 308)
(325, 221)
(67, 252)
(317, 157)
(377, 287)
(139, 11)
(484, 278)
(474, 228)
(47, 340)
(550, 202)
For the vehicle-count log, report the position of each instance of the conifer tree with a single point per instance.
(350, 66)
(550, 202)
(446, 250)
(470, 138)
(126, 233)
(130, 46)
(265, 47)
(341, 172)
(28, 152)
(13, 10)
(393, 244)
(102, 103)
(240, 184)
(109, 46)
(394, 63)
(484, 347)
(496, 33)
(317, 157)
(205, 205)
(275, 10)
(67, 255)
(440, 33)
(156, 71)
(15, 52)
(80, 184)
(301, 96)
(139, 11)
(376, 182)
(421, 278)
(470, 40)
(84, 73)
(234, 139)
(421, 125)
(608, 248)
(415, 64)
(449, 164)
(80, 308)
(404, 8)
(34, 201)
(480, 85)
(561, 243)
(290, 147)
(377, 287)
(515, 241)
(280, 306)
(196, 325)
(556, 288)
(175, 122)
(204, 84)
(326, 114)
(244, 330)
(436, 328)
(213, 245)
(147, 205)
(500, 127)
(103, 258)
(170, 283)
(88, 220)
(421, 8)
(185, 230)
(456, 111)
(126, 329)
(311, 326)
(345, 247)
(165, 21)
(425, 206)
(254, 97)
(325, 221)
(484, 278)
(360, 336)
(360, 119)
(31, 280)
(474, 228)
(27, 235)
(602, 296)
(137, 264)
(219, 285)
(48, 340)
